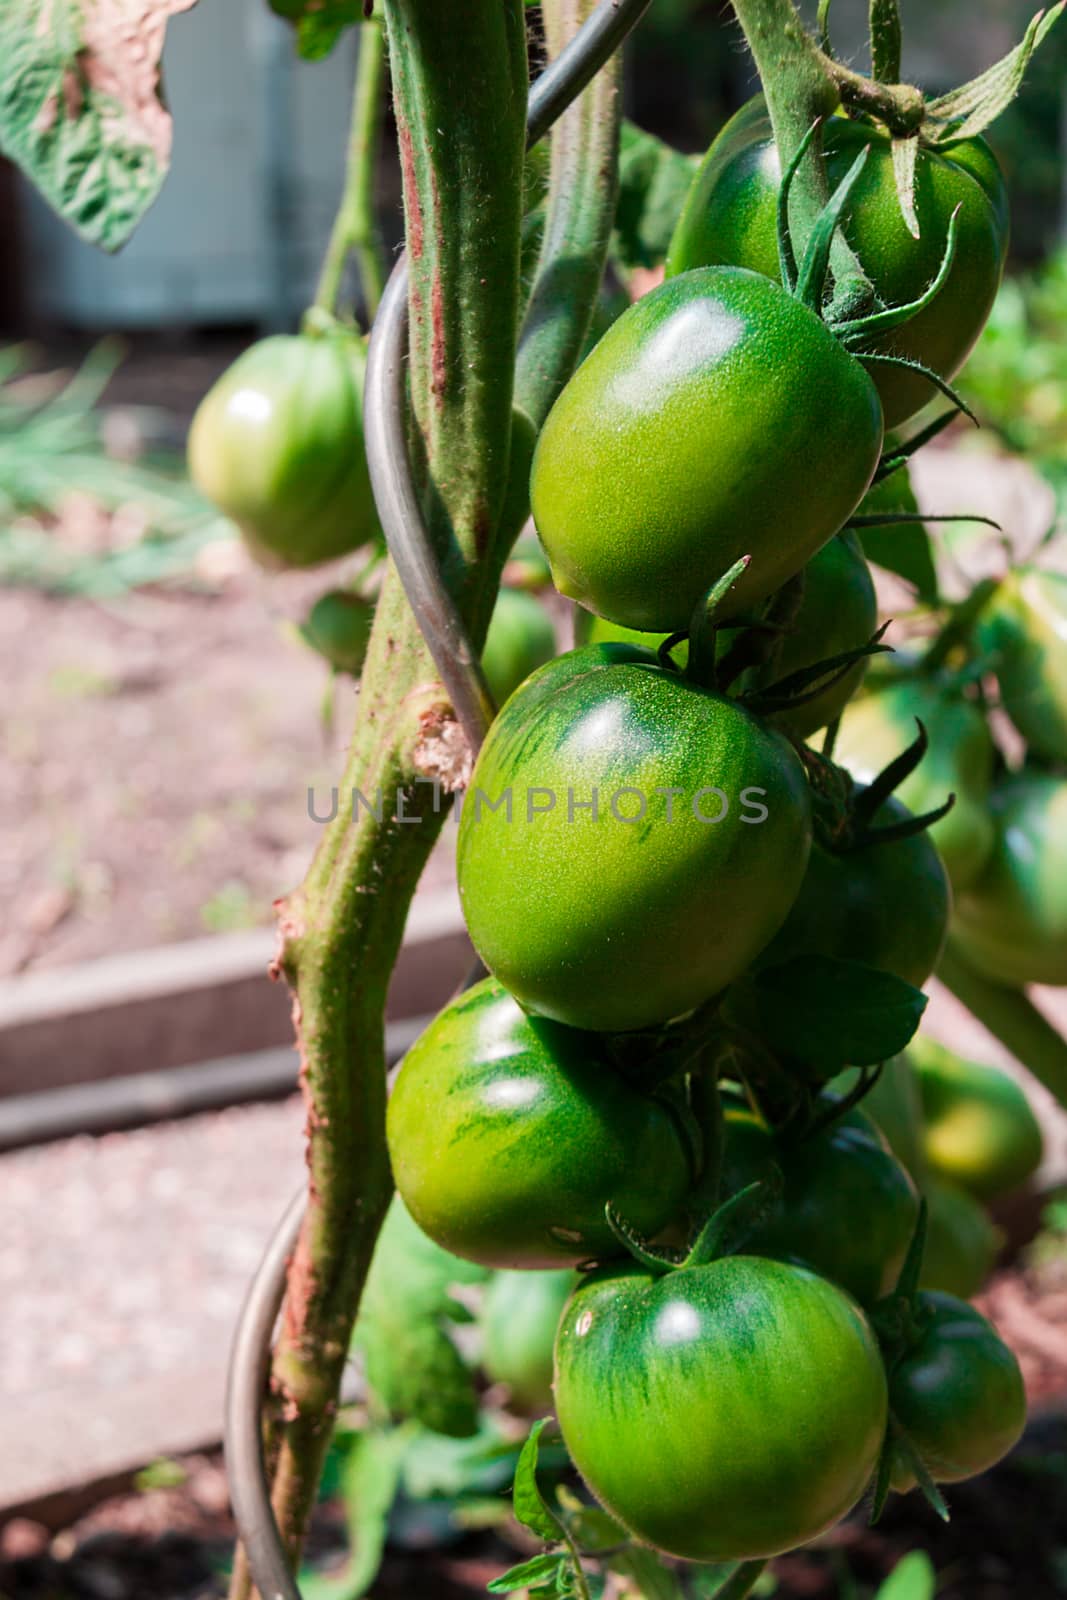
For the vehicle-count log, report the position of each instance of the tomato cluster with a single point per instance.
(651, 854)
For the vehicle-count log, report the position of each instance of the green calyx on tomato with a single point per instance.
(848, 1208)
(1024, 630)
(981, 1132)
(958, 760)
(883, 900)
(277, 444)
(629, 841)
(720, 1412)
(520, 1315)
(837, 615)
(961, 1242)
(730, 219)
(957, 1394)
(520, 639)
(509, 1136)
(1011, 923)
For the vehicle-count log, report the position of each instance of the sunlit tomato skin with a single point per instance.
(613, 924)
(958, 1394)
(886, 905)
(691, 436)
(508, 1135)
(519, 1319)
(961, 1242)
(848, 1208)
(980, 1129)
(876, 728)
(1011, 924)
(1025, 630)
(277, 444)
(723, 1412)
(520, 638)
(838, 613)
(730, 218)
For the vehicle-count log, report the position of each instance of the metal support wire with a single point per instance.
(385, 409)
(412, 550)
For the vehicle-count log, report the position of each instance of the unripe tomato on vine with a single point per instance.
(730, 219)
(277, 444)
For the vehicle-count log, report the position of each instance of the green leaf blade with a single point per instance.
(531, 1508)
(829, 1014)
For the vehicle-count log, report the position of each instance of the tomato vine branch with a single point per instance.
(355, 228)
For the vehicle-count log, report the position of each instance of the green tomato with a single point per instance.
(723, 1412)
(520, 638)
(520, 1316)
(690, 437)
(981, 1132)
(876, 728)
(1011, 924)
(961, 1242)
(1025, 628)
(629, 842)
(338, 626)
(895, 1107)
(848, 1208)
(838, 612)
(277, 444)
(730, 217)
(958, 1394)
(886, 905)
(508, 1135)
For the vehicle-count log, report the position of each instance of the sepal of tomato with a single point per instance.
(656, 837)
(957, 1393)
(508, 1136)
(690, 437)
(723, 1412)
(730, 218)
(958, 760)
(277, 444)
(885, 904)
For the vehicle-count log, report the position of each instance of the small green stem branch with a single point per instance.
(341, 931)
(583, 180)
(1011, 1017)
(355, 228)
(742, 1582)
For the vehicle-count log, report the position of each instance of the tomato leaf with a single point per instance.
(967, 110)
(534, 1571)
(653, 182)
(913, 1578)
(319, 23)
(646, 1573)
(80, 107)
(828, 1014)
(412, 1364)
(531, 1508)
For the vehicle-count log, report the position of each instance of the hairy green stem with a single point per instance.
(582, 187)
(1011, 1017)
(355, 228)
(341, 931)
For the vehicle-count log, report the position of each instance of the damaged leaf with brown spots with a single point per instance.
(81, 110)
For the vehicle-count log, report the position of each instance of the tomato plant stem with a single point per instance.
(341, 931)
(355, 228)
(741, 1582)
(1011, 1017)
(583, 179)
